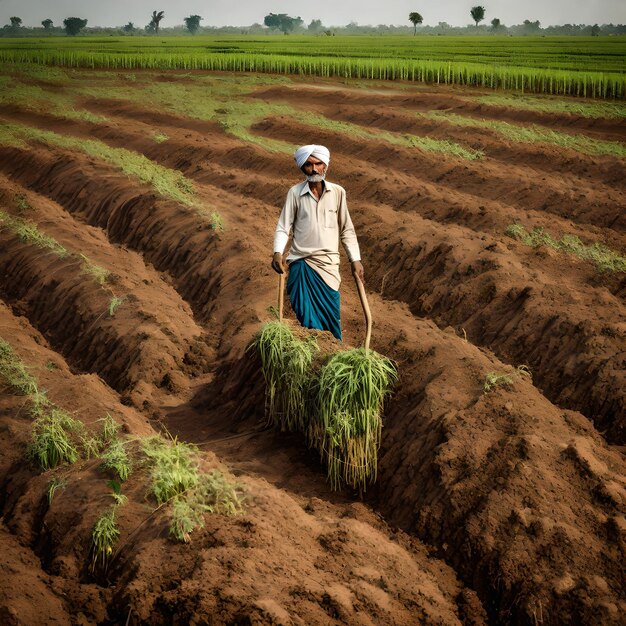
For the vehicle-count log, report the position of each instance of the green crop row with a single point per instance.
(492, 75)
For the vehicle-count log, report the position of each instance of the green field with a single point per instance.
(579, 66)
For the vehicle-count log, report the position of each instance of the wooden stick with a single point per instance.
(366, 311)
(281, 289)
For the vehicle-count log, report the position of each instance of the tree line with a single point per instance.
(283, 23)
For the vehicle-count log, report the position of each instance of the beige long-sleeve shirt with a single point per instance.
(318, 225)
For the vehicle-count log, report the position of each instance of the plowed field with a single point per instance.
(499, 507)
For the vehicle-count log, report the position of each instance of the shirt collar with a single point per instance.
(306, 189)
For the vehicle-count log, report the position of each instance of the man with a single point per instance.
(317, 211)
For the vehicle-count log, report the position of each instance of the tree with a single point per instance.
(73, 25)
(531, 27)
(478, 14)
(192, 23)
(129, 28)
(16, 22)
(315, 26)
(153, 26)
(416, 19)
(47, 24)
(282, 22)
(495, 24)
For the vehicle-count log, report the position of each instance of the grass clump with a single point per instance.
(116, 458)
(493, 380)
(159, 137)
(53, 485)
(352, 388)
(29, 233)
(14, 372)
(605, 259)
(214, 493)
(54, 439)
(99, 274)
(175, 477)
(114, 304)
(173, 467)
(216, 223)
(21, 203)
(104, 536)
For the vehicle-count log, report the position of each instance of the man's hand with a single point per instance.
(277, 263)
(357, 270)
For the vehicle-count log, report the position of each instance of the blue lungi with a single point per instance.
(315, 304)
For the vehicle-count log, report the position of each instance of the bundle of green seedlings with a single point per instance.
(286, 363)
(336, 406)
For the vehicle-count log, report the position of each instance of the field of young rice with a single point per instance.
(580, 66)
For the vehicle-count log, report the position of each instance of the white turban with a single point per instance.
(319, 152)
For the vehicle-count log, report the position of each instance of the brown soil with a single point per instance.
(499, 508)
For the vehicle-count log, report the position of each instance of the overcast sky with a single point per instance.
(331, 12)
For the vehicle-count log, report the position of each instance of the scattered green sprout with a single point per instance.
(216, 222)
(173, 467)
(53, 439)
(50, 365)
(604, 258)
(110, 428)
(14, 372)
(99, 274)
(21, 203)
(91, 446)
(116, 492)
(114, 304)
(53, 485)
(214, 493)
(29, 233)
(493, 380)
(116, 458)
(159, 137)
(104, 536)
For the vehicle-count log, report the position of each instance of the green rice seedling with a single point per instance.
(604, 258)
(109, 429)
(99, 274)
(91, 446)
(493, 380)
(53, 439)
(116, 458)
(272, 342)
(296, 383)
(216, 223)
(214, 493)
(21, 203)
(286, 364)
(173, 467)
(116, 492)
(14, 372)
(114, 304)
(159, 137)
(104, 536)
(29, 233)
(352, 387)
(53, 485)
(184, 518)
